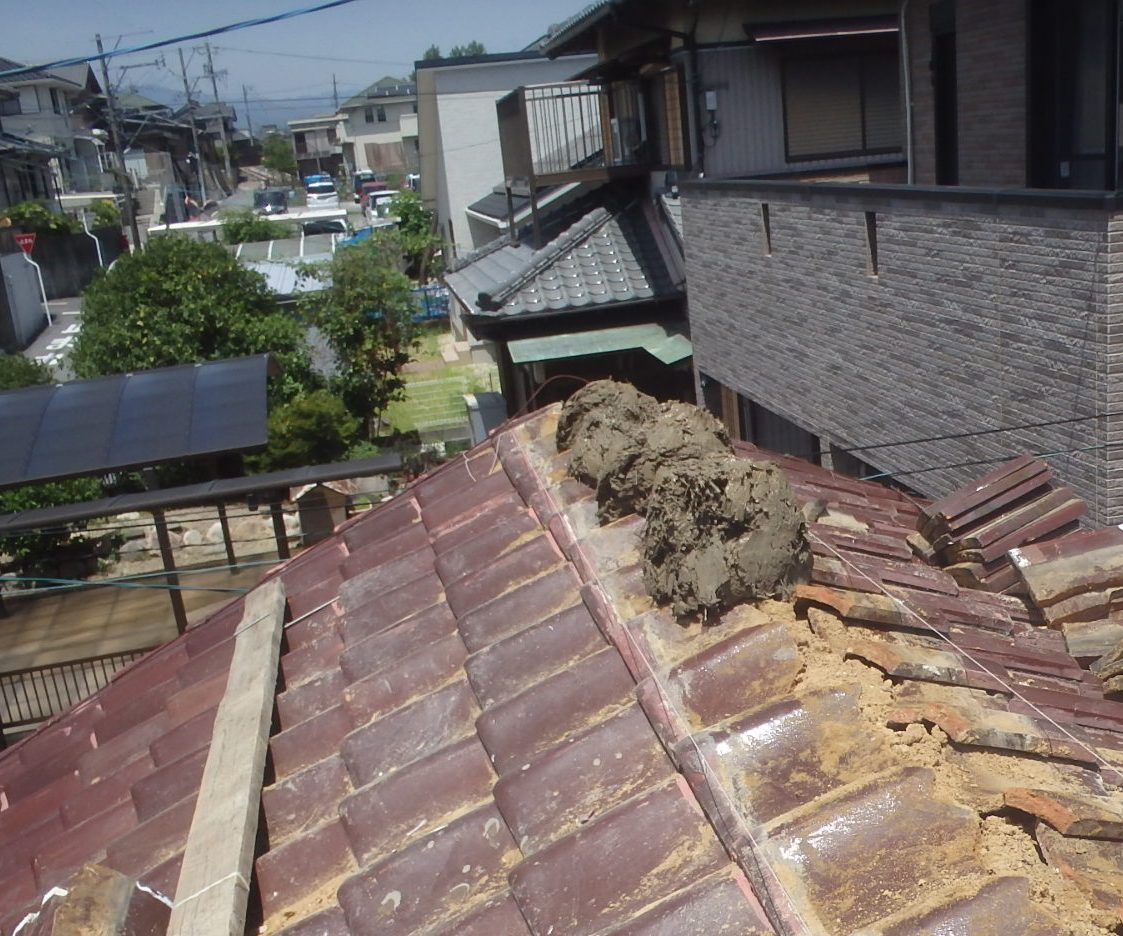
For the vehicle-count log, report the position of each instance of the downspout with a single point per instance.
(907, 69)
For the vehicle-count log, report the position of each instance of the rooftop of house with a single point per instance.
(380, 91)
(608, 256)
(485, 725)
(34, 77)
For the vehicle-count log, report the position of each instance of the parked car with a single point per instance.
(325, 226)
(363, 175)
(271, 201)
(378, 205)
(320, 192)
(375, 186)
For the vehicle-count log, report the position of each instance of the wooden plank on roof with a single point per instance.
(213, 887)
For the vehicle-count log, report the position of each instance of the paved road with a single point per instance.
(52, 345)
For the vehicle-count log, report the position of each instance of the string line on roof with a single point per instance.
(987, 461)
(715, 788)
(187, 37)
(114, 584)
(905, 607)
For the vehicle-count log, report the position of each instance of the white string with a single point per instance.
(712, 782)
(212, 885)
(1005, 685)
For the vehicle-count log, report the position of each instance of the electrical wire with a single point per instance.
(178, 40)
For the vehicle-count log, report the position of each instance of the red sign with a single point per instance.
(26, 242)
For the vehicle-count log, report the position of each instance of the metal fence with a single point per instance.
(29, 696)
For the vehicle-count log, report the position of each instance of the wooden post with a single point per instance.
(178, 610)
(227, 541)
(279, 529)
(213, 889)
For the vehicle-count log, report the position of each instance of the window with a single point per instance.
(414, 107)
(382, 115)
(333, 137)
(58, 101)
(841, 106)
(300, 143)
(10, 107)
(368, 115)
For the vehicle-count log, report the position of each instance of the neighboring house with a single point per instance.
(25, 166)
(463, 715)
(379, 128)
(965, 286)
(458, 135)
(317, 144)
(43, 107)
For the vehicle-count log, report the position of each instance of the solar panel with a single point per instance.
(132, 420)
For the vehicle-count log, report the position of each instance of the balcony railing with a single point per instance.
(29, 696)
(577, 130)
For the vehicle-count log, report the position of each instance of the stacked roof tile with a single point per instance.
(485, 726)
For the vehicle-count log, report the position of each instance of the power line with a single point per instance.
(316, 58)
(189, 37)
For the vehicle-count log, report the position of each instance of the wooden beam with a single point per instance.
(279, 531)
(213, 888)
(224, 523)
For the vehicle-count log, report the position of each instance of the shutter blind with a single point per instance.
(823, 107)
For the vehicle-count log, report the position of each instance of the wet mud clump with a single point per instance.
(722, 532)
(619, 438)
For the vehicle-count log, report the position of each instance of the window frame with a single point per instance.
(864, 59)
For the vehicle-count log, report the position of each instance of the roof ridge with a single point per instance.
(478, 253)
(545, 256)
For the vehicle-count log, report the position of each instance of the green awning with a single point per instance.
(664, 345)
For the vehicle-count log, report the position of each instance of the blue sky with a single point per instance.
(359, 43)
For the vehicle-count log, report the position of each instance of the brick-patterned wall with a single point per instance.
(982, 315)
(991, 78)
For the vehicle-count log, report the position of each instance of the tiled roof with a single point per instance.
(486, 726)
(606, 257)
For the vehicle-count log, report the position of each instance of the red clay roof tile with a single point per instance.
(305, 799)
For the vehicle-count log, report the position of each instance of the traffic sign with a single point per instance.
(26, 242)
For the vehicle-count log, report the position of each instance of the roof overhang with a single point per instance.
(662, 343)
(822, 29)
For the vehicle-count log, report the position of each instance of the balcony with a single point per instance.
(578, 131)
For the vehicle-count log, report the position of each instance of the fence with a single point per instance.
(29, 696)
(432, 302)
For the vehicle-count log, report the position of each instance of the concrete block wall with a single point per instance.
(982, 314)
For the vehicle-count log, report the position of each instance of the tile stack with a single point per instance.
(970, 532)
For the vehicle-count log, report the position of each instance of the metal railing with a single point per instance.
(31, 695)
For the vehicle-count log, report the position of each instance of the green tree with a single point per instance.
(309, 430)
(16, 371)
(431, 54)
(242, 226)
(366, 315)
(37, 217)
(463, 51)
(181, 301)
(416, 232)
(277, 155)
(38, 553)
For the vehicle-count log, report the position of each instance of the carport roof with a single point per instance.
(132, 420)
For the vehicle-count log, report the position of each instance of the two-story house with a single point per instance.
(41, 107)
(25, 166)
(378, 128)
(901, 226)
(316, 143)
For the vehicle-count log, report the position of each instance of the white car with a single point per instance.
(321, 195)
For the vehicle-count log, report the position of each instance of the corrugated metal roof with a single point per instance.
(662, 343)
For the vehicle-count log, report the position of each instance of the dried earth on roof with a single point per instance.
(1004, 843)
(720, 530)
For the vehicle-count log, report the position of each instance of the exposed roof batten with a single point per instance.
(821, 29)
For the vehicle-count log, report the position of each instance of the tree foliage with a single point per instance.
(366, 316)
(431, 54)
(36, 217)
(416, 231)
(244, 227)
(309, 430)
(471, 48)
(17, 371)
(105, 213)
(277, 155)
(181, 301)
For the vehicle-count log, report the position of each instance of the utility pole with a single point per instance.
(194, 133)
(334, 94)
(246, 105)
(118, 151)
(221, 121)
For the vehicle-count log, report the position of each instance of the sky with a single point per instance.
(286, 67)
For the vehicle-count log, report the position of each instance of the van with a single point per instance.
(271, 201)
(320, 192)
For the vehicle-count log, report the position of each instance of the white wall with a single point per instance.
(462, 143)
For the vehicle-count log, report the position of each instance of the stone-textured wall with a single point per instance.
(982, 314)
